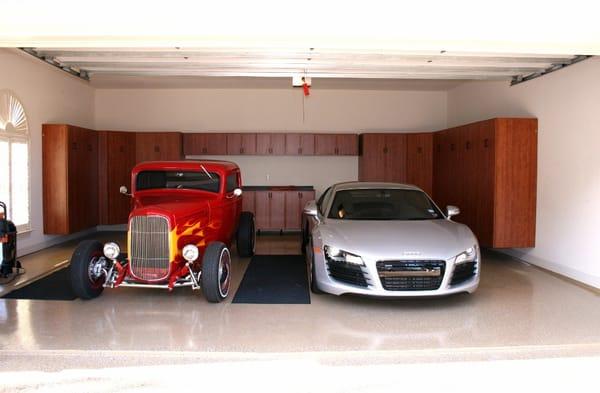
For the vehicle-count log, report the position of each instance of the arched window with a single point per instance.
(14, 160)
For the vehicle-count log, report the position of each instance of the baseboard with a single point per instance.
(574, 274)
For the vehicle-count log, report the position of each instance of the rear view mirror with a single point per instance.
(310, 209)
(123, 190)
(237, 192)
(452, 211)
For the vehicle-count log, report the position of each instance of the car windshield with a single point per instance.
(205, 181)
(383, 204)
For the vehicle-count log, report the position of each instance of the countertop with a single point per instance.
(278, 188)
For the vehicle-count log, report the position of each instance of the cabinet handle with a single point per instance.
(336, 150)
(121, 149)
(299, 150)
(468, 145)
(486, 142)
(156, 149)
(419, 150)
(452, 147)
(439, 148)
(300, 195)
(74, 146)
(385, 150)
(241, 150)
(270, 150)
(204, 150)
(89, 147)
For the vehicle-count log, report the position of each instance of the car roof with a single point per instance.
(191, 165)
(353, 185)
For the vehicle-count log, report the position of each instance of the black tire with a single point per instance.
(246, 236)
(212, 283)
(83, 287)
(314, 287)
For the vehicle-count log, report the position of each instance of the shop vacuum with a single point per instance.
(9, 266)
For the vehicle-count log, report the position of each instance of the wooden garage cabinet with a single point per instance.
(277, 208)
(397, 157)
(336, 144)
(299, 144)
(116, 159)
(208, 143)
(70, 178)
(489, 170)
(270, 144)
(241, 144)
(157, 146)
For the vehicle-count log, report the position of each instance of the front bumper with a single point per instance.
(374, 286)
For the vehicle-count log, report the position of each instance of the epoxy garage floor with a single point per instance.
(519, 311)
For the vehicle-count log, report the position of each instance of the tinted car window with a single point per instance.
(383, 204)
(205, 181)
(232, 182)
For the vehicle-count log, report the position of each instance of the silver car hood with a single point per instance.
(389, 240)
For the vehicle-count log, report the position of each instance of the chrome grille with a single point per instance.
(149, 248)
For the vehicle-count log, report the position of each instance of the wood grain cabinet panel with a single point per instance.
(336, 144)
(241, 144)
(117, 154)
(488, 169)
(419, 161)
(300, 144)
(270, 144)
(294, 205)
(382, 157)
(158, 146)
(70, 178)
(195, 144)
(248, 201)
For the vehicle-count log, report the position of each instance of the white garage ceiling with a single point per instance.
(312, 62)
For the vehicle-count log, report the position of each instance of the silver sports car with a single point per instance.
(389, 240)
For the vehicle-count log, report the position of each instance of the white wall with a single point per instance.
(195, 110)
(48, 96)
(567, 104)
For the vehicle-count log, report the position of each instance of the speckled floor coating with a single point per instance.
(519, 311)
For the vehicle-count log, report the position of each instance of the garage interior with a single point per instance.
(508, 137)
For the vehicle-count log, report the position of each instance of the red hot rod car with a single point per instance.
(185, 215)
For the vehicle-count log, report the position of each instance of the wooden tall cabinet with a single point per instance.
(382, 158)
(157, 146)
(70, 178)
(419, 160)
(117, 157)
(489, 170)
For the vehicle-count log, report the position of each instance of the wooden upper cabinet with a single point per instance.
(382, 157)
(336, 144)
(241, 144)
(158, 146)
(419, 161)
(204, 144)
(300, 144)
(270, 144)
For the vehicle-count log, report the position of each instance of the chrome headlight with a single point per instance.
(111, 250)
(190, 252)
(469, 255)
(338, 255)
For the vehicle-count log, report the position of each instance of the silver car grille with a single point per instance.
(149, 248)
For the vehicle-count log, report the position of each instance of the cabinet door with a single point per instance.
(277, 208)
(299, 144)
(262, 209)
(277, 144)
(248, 200)
(120, 157)
(204, 144)
(395, 158)
(346, 145)
(270, 144)
(158, 146)
(325, 144)
(263, 144)
(83, 179)
(372, 158)
(292, 210)
(419, 160)
(241, 144)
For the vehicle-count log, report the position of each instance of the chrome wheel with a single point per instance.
(224, 272)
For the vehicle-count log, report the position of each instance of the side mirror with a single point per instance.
(310, 209)
(452, 211)
(123, 190)
(237, 192)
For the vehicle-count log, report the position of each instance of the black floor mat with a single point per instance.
(56, 286)
(274, 279)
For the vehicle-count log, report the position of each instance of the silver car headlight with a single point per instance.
(469, 255)
(111, 250)
(190, 252)
(335, 254)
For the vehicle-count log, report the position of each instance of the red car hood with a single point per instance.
(176, 211)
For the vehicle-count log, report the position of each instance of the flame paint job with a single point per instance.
(194, 216)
